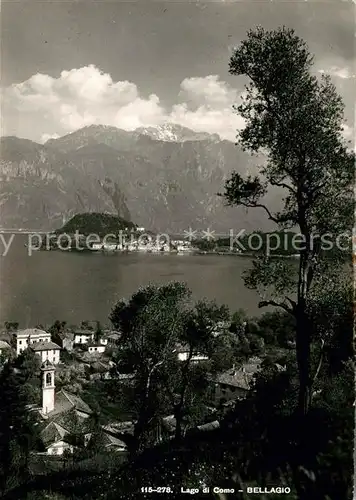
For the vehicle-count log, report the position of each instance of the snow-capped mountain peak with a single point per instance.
(171, 132)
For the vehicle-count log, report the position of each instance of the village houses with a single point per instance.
(62, 413)
(83, 336)
(40, 342)
(29, 336)
(96, 348)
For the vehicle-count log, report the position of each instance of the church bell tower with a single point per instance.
(48, 387)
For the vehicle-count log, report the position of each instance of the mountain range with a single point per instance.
(162, 178)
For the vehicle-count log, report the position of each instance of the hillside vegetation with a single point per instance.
(96, 223)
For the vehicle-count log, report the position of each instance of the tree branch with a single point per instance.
(320, 361)
(292, 303)
(284, 185)
(265, 303)
(260, 205)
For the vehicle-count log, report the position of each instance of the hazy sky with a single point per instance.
(67, 64)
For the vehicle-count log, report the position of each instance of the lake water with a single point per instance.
(73, 287)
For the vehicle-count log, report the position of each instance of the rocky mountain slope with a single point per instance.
(164, 179)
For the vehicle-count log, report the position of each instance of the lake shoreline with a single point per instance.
(188, 253)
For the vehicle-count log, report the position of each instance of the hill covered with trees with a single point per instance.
(96, 223)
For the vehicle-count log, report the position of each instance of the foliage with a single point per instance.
(239, 317)
(57, 330)
(205, 245)
(19, 387)
(151, 324)
(96, 223)
(155, 323)
(85, 325)
(98, 332)
(296, 120)
(276, 327)
(11, 326)
(225, 352)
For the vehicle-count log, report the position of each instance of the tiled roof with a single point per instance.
(53, 433)
(120, 427)
(111, 332)
(30, 331)
(113, 336)
(111, 441)
(209, 426)
(6, 337)
(64, 401)
(235, 378)
(44, 346)
(70, 421)
(251, 368)
(4, 345)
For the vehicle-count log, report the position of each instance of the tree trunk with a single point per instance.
(178, 417)
(179, 407)
(303, 357)
(144, 413)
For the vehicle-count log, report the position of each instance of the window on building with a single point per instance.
(20, 342)
(48, 379)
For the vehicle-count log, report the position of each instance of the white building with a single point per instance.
(56, 433)
(112, 247)
(62, 412)
(24, 338)
(48, 351)
(54, 438)
(48, 387)
(107, 247)
(96, 348)
(183, 354)
(183, 246)
(83, 337)
(97, 246)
